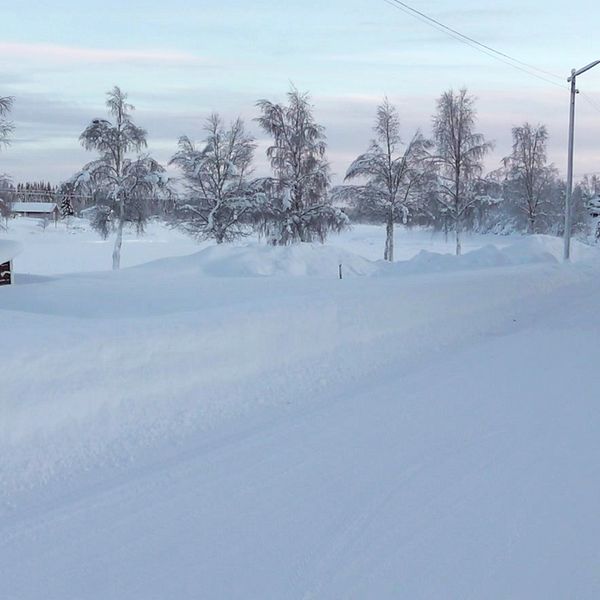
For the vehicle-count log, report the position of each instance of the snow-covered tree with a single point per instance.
(4, 205)
(6, 126)
(127, 184)
(590, 186)
(459, 157)
(79, 196)
(66, 207)
(588, 190)
(295, 206)
(218, 200)
(393, 173)
(529, 177)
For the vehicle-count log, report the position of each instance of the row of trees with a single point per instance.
(222, 199)
(437, 182)
(400, 180)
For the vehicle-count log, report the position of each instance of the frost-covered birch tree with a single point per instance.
(218, 199)
(126, 183)
(529, 177)
(6, 126)
(392, 171)
(459, 157)
(295, 205)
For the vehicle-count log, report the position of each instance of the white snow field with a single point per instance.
(239, 423)
(77, 248)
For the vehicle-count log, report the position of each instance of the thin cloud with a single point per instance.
(52, 53)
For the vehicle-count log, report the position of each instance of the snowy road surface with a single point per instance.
(433, 436)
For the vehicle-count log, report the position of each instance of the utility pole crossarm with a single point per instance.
(584, 69)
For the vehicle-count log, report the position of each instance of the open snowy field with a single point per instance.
(77, 248)
(239, 423)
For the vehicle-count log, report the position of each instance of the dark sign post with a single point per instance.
(5, 273)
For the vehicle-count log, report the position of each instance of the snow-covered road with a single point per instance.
(432, 436)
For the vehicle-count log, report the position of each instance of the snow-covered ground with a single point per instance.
(239, 423)
(60, 249)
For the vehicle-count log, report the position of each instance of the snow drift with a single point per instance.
(9, 249)
(532, 250)
(323, 261)
(260, 260)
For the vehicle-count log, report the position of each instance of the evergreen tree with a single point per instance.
(66, 207)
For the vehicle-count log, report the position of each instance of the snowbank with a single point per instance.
(532, 250)
(542, 248)
(9, 249)
(259, 260)
(317, 260)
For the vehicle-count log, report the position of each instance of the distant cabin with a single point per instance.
(8, 250)
(40, 210)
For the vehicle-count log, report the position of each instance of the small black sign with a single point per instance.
(5, 274)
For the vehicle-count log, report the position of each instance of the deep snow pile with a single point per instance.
(74, 247)
(9, 249)
(541, 248)
(254, 260)
(532, 250)
(317, 260)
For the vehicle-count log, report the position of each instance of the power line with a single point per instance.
(472, 40)
(590, 101)
(476, 45)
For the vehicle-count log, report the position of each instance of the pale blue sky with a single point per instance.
(181, 59)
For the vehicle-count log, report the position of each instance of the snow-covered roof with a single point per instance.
(8, 250)
(33, 207)
(594, 202)
(90, 210)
